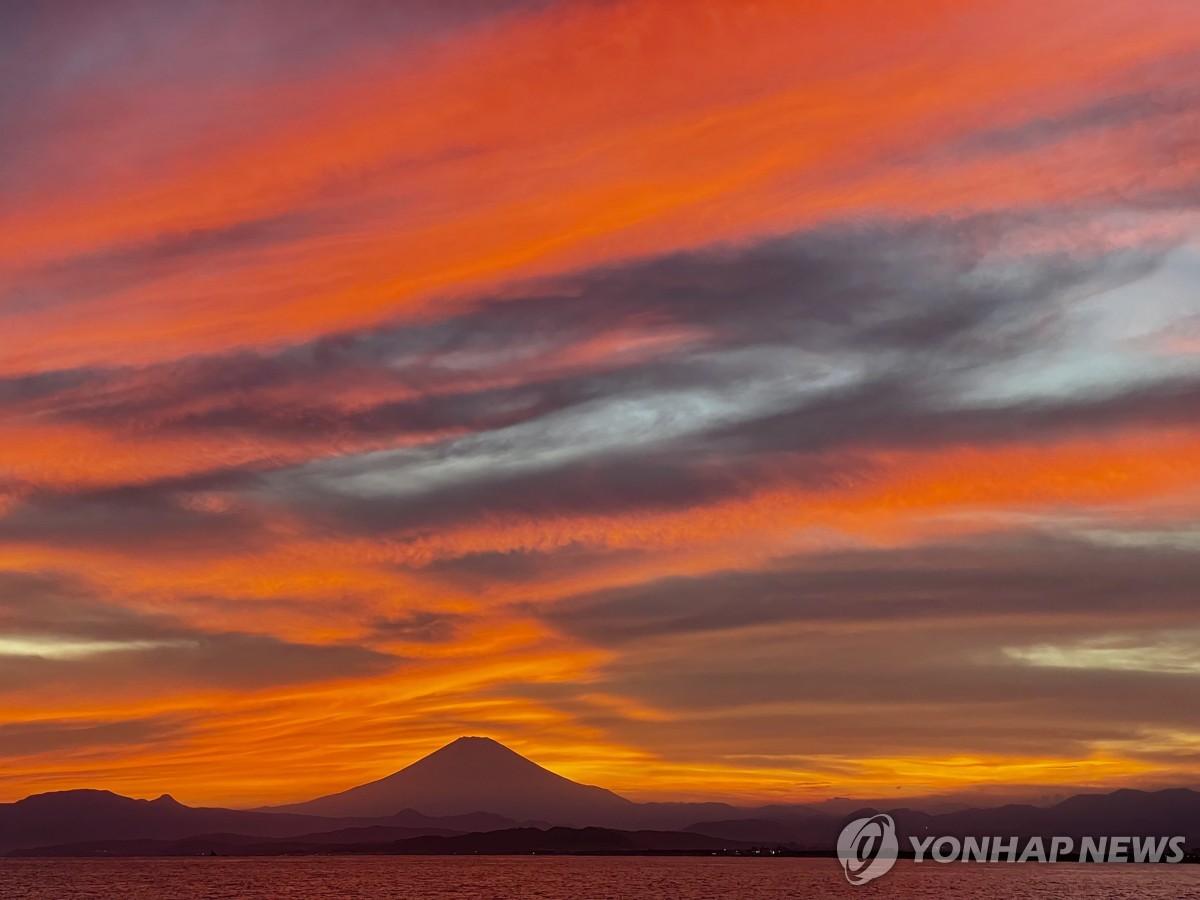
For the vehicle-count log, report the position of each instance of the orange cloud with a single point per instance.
(472, 167)
(149, 232)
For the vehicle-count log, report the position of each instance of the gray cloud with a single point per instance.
(57, 630)
(1009, 576)
(820, 694)
(899, 652)
(135, 517)
(422, 626)
(801, 355)
(477, 571)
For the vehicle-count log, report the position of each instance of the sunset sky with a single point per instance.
(762, 401)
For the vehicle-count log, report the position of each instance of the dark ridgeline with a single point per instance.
(477, 796)
(526, 840)
(70, 816)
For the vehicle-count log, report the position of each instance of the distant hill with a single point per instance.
(67, 816)
(1125, 812)
(474, 773)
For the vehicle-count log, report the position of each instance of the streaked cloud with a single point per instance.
(1170, 652)
(50, 647)
(761, 399)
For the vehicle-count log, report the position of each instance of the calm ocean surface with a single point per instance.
(588, 878)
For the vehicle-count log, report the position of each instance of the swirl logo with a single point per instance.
(867, 848)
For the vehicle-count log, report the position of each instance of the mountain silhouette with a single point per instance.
(469, 795)
(60, 817)
(473, 774)
(1125, 812)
